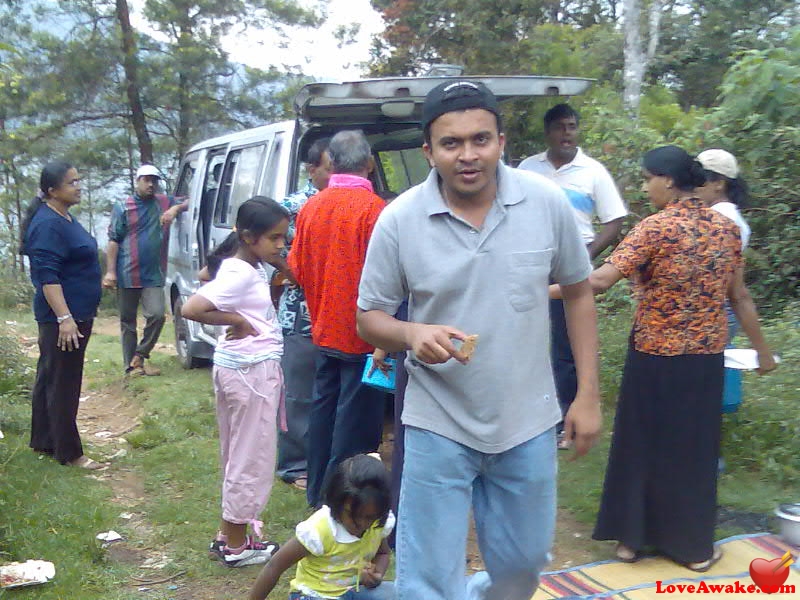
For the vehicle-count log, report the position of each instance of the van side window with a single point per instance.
(183, 189)
(403, 169)
(238, 183)
(184, 186)
(271, 172)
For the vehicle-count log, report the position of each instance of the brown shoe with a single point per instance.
(137, 368)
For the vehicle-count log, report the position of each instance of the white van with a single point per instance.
(217, 175)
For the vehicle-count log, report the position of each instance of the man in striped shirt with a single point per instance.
(136, 262)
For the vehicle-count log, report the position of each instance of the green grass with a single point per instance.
(47, 512)
(53, 513)
(176, 448)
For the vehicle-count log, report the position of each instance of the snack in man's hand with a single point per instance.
(468, 346)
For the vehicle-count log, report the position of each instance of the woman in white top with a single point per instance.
(725, 192)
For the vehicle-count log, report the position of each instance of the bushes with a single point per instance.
(762, 436)
(16, 378)
(757, 121)
(15, 368)
(16, 289)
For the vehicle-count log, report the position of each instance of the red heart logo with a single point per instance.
(769, 575)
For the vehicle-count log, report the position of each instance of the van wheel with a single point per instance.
(183, 345)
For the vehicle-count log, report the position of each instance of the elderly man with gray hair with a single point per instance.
(327, 255)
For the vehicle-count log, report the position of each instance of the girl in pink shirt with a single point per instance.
(248, 380)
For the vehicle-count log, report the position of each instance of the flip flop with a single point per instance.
(301, 483)
(625, 554)
(702, 567)
(84, 462)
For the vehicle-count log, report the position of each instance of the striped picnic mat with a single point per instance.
(638, 581)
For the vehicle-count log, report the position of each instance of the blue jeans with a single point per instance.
(513, 497)
(385, 591)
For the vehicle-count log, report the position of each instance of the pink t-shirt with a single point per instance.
(240, 288)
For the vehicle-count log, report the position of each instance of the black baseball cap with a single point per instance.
(457, 95)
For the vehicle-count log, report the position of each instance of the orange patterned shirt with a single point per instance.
(328, 252)
(681, 261)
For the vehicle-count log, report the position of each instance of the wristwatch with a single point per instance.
(63, 318)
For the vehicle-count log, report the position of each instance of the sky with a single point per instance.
(314, 52)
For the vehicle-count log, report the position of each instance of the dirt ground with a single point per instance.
(107, 415)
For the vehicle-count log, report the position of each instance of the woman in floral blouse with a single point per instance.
(660, 489)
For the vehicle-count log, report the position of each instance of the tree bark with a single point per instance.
(184, 112)
(130, 65)
(636, 58)
(633, 72)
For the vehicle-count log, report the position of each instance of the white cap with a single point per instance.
(145, 170)
(719, 161)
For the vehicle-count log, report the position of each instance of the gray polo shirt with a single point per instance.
(491, 282)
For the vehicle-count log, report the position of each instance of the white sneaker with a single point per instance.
(254, 552)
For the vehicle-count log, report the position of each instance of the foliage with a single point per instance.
(63, 89)
(192, 88)
(619, 142)
(757, 122)
(504, 38)
(762, 436)
(15, 369)
(16, 290)
(701, 40)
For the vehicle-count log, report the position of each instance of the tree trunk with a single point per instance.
(132, 83)
(633, 73)
(636, 58)
(654, 25)
(184, 112)
(19, 260)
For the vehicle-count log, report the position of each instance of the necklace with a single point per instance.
(63, 214)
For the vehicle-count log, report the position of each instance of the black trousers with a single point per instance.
(564, 372)
(56, 393)
(346, 419)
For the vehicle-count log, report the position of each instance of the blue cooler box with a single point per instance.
(732, 391)
(378, 379)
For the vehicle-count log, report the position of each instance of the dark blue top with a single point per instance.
(62, 252)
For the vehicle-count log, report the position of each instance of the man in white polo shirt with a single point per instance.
(592, 193)
(473, 248)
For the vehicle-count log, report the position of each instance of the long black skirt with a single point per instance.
(660, 490)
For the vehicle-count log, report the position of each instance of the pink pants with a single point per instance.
(248, 403)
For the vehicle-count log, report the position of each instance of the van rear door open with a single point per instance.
(218, 174)
(399, 99)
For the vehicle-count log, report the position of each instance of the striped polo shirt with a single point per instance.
(135, 226)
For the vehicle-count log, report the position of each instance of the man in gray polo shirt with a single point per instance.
(473, 247)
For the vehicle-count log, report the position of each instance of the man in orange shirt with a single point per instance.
(327, 255)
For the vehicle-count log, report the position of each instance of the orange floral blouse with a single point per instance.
(681, 262)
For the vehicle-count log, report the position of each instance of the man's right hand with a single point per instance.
(433, 344)
(110, 281)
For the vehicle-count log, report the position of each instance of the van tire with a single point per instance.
(183, 344)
